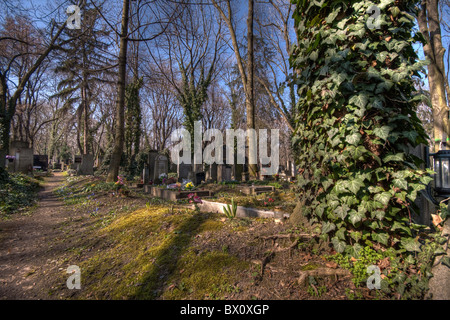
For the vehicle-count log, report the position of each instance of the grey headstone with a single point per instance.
(145, 175)
(161, 166)
(184, 171)
(24, 157)
(86, 167)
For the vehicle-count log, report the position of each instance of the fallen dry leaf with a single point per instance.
(332, 265)
(436, 219)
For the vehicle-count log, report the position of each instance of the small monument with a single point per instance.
(86, 166)
(23, 157)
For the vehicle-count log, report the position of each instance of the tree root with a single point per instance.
(321, 272)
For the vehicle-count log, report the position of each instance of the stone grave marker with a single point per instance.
(152, 154)
(40, 161)
(86, 166)
(184, 172)
(161, 166)
(146, 174)
(23, 161)
(224, 172)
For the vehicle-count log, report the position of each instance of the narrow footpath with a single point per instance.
(28, 250)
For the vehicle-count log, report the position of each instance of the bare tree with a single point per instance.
(246, 73)
(10, 91)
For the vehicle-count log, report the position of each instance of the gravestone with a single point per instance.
(213, 172)
(152, 154)
(76, 162)
(184, 172)
(40, 162)
(199, 177)
(23, 161)
(161, 166)
(224, 172)
(145, 175)
(86, 166)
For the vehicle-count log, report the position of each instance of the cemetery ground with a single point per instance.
(129, 245)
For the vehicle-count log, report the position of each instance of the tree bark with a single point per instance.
(120, 103)
(250, 101)
(429, 25)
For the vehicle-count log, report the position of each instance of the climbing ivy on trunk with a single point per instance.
(357, 121)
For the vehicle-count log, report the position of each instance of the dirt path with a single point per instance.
(28, 250)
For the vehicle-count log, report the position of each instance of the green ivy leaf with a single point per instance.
(381, 237)
(410, 244)
(341, 211)
(383, 132)
(394, 157)
(328, 227)
(353, 139)
(383, 197)
(356, 216)
(360, 100)
(338, 245)
(355, 185)
(400, 183)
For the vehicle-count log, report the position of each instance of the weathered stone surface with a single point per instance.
(86, 167)
(241, 212)
(24, 157)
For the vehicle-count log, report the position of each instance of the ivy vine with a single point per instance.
(357, 122)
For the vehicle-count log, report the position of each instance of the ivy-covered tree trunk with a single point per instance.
(357, 120)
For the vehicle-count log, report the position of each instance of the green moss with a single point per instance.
(209, 275)
(147, 249)
(211, 225)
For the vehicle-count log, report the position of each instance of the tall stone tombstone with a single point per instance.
(145, 175)
(23, 161)
(213, 171)
(152, 154)
(86, 167)
(184, 172)
(161, 166)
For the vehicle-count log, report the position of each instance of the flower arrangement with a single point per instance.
(120, 182)
(189, 186)
(195, 199)
(120, 185)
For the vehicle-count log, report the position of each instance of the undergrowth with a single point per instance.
(17, 192)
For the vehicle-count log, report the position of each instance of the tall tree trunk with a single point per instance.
(120, 103)
(250, 92)
(247, 76)
(429, 25)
